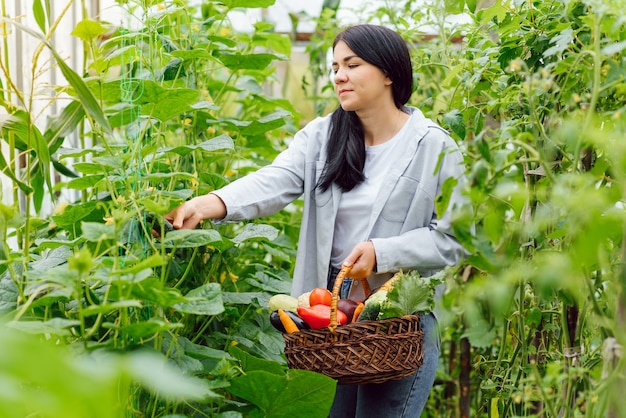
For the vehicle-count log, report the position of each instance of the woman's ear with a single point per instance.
(388, 80)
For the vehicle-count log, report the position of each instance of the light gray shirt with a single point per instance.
(404, 227)
(355, 206)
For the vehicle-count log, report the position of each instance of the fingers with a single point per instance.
(179, 217)
(362, 259)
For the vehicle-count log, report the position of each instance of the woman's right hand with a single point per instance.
(189, 214)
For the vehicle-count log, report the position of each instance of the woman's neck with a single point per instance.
(380, 127)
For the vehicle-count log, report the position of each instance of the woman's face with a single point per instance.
(358, 84)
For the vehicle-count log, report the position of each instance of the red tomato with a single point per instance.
(320, 296)
(318, 316)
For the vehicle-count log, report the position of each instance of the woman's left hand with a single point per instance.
(362, 259)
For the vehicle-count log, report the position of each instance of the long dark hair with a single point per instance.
(384, 48)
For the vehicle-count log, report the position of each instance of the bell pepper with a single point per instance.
(318, 316)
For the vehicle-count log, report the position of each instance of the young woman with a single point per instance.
(369, 174)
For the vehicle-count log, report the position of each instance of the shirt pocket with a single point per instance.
(320, 198)
(400, 200)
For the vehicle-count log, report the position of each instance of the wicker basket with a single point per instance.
(359, 352)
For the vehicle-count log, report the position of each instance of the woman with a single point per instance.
(369, 174)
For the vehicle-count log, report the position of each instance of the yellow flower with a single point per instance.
(60, 208)
(109, 220)
(516, 65)
(194, 180)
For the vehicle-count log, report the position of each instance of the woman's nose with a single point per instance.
(340, 76)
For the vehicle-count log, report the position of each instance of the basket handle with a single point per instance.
(345, 269)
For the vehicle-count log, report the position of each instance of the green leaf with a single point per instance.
(155, 372)
(40, 15)
(155, 260)
(266, 123)
(410, 294)
(560, 42)
(95, 232)
(250, 363)
(73, 214)
(496, 11)
(152, 290)
(85, 182)
(218, 143)
(44, 244)
(248, 4)
(37, 180)
(110, 307)
(252, 231)
(614, 48)
(170, 103)
(149, 328)
(454, 119)
(274, 41)
(88, 30)
(191, 238)
(52, 258)
(202, 351)
(300, 393)
(443, 200)
(270, 283)
(480, 333)
(55, 326)
(7, 170)
(244, 298)
(32, 139)
(204, 300)
(63, 170)
(90, 167)
(238, 61)
(202, 54)
(8, 294)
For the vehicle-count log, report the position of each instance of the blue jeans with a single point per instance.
(403, 398)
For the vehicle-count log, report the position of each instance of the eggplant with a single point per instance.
(275, 320)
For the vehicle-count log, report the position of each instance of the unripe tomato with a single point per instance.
(320, 296)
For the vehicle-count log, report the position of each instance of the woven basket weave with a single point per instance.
(360, 352)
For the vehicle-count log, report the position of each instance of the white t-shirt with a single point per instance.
(355, 206)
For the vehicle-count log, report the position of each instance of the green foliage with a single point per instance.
(167, 110)
(41, 378)
(173, 105)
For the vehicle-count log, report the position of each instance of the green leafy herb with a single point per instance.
(410, 294)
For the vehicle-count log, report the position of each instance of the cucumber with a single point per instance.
(372, 306)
